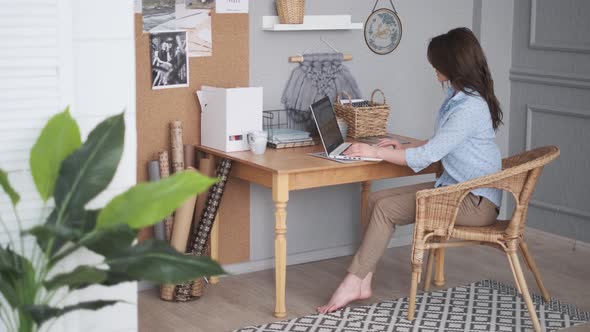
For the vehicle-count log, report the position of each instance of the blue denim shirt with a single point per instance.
(464, 142)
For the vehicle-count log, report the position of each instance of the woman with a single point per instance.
(463, 141)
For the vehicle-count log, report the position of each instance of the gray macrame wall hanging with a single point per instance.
(318, 75)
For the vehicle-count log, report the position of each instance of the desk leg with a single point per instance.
(365, 191)
(215, 247)
(280, 195)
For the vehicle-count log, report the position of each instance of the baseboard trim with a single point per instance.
(538, 232)
(347, 250)
(145, 285)
(294, 259)
(310, 256)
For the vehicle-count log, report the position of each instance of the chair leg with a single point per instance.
(525, 291)
(439, 272)
(413, 290)
(533, 267)
(514, 273)
(428, 276)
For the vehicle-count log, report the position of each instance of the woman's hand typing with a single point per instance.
(383, 143)
(362, 150)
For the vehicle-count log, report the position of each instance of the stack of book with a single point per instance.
(289, 138)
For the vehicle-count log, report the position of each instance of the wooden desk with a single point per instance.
(284, 170)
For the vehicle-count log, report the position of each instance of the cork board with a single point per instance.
(228, 67)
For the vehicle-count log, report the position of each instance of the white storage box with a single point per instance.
(227, 115)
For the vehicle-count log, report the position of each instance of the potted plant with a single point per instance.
(68, 174)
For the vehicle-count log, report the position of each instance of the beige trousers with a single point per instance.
(397, 206)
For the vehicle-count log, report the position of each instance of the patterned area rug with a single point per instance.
(482, 306)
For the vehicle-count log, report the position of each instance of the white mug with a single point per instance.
(257, 141)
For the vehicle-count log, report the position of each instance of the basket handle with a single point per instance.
(382, 95)
(347, 95)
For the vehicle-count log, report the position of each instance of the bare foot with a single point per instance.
(352, 288)
(366, 286)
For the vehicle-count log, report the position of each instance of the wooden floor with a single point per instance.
(248, 299)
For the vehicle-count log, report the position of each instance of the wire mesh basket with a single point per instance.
(275, 121)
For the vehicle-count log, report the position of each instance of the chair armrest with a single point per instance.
(436, 209)
(500, 180)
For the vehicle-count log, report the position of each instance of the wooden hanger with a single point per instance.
(299, 58)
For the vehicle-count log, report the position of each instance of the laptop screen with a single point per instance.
(327, 125)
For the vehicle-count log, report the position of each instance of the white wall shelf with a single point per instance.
(311, 23)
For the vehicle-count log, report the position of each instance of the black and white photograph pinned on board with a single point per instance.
(169, 60)
(200, 4)
(158, 15)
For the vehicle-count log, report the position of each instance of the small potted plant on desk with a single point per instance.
(68, 174)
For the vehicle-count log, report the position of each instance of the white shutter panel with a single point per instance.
(29, 95)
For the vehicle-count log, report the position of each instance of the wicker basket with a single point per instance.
(170, 292)
(291, 11)
(198, 285)
(167, 292)
(364, 121)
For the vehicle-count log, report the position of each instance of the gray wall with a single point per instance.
(550, 106)
(324, 223)
(495, 27)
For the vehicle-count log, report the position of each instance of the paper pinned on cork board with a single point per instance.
(158, 15)
(231, 6)
(137, 6)
(197, 23)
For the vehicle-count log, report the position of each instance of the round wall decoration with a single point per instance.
(383, 30)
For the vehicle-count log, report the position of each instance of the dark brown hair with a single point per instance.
(458, 55)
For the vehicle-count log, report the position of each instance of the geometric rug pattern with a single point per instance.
(481, 306)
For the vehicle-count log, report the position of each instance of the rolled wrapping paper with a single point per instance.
(164, 173)
(212, 205)
(166, 291)
(182, 225)
(189, 155)
(176, 145)
(198, 246)
(182, 222)
(154, 175)
(206, 167)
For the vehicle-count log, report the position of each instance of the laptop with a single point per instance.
(332, 140)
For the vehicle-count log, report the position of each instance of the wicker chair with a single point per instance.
(436, 211)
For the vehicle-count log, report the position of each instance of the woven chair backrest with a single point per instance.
(526, 168)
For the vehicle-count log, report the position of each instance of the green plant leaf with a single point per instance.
(110, 241)
(59, 138)
(44, 232)
(74, 225)
(42, 313)
(107, 242)
(11, 262)
(14, 196)
(148, 203)
(89, 170)
(156, 261)
(82, 276)
(26, 287)
(8, 291)
(17, 278)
